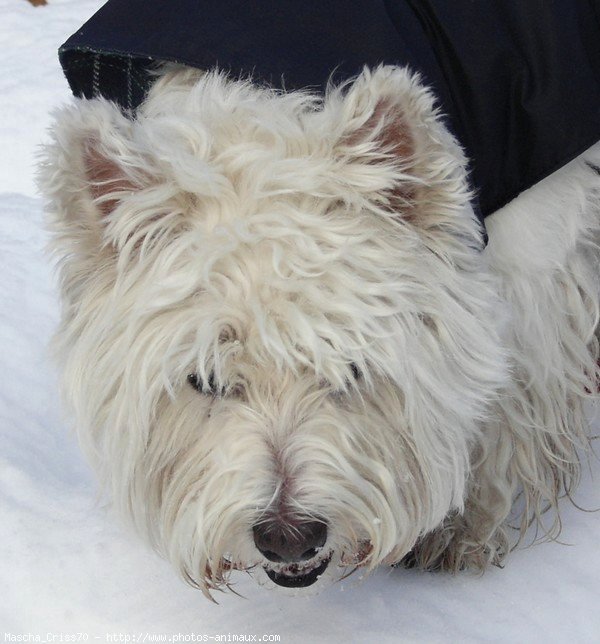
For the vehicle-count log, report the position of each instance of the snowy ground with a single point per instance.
(65, 564)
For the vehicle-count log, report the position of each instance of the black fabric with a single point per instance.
(518, 80)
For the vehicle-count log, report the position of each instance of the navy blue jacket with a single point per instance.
(518, 80)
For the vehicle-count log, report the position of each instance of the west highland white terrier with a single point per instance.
(283, 345)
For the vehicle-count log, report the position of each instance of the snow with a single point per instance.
(67, 566)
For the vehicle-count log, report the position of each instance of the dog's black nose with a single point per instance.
(288, 543)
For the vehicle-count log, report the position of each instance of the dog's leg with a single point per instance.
(544, 250)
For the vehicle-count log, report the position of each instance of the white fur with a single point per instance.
(276, 239)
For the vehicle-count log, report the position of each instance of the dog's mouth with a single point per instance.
(296, 576)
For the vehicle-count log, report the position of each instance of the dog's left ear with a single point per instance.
(392, 147)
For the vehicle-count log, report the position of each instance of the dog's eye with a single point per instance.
(356, 372)
(208, 386)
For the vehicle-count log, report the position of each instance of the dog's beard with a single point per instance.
(213, 468)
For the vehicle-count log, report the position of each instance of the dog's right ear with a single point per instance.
(92, 163)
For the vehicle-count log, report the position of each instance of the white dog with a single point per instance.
(283, 346)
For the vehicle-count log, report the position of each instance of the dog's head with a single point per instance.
(277, 334)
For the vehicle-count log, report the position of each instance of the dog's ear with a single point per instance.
(107, 176)
(91, 164)
(392, 147)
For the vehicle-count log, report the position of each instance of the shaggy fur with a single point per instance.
(356, 358)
